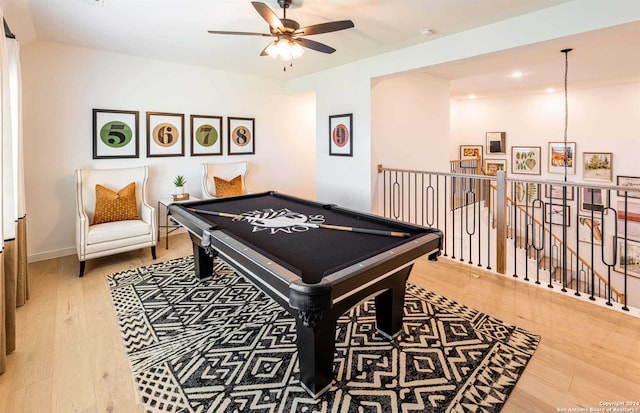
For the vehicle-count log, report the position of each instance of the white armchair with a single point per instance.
(99, 240)
(226, 171)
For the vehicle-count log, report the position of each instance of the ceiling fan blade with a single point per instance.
(325, 27)
(241, 33)
(269, 16)
(310, 44)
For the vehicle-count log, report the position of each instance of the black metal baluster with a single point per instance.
(487, 194)
(538, 248)
(624, 307)
(454, 194)
(472, 195)
(479, 208)
(610, 265)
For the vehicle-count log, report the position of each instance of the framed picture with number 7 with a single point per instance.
(115, 134)
(206, 135)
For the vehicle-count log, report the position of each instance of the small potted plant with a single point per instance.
(179, 182)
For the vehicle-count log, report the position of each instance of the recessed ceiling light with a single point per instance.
(425, 32)
(550, 90)
(516, 74)
(472, 96)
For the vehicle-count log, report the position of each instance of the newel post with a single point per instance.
(501, 223)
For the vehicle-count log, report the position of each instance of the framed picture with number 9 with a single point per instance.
(115, 134)
(341, 135)
(242, 140)
(165, 134)
(206, 135)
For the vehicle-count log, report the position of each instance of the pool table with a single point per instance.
(316, 260)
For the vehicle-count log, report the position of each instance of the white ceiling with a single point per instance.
(176, 30)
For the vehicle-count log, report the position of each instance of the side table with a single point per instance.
(169, 227)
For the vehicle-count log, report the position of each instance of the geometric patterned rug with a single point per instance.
(221, 345)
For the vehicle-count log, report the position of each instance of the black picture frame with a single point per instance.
(341, 135)
(241, 138)
(115, 134)
(165, 134)
(206, 135)
(553, 211)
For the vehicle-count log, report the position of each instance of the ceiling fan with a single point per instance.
(289, 41)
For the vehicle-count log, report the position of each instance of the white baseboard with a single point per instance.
(51, 254)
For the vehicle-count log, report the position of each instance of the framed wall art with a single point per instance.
(590, 229)
(115, 134)
(562, 158)
(597, 166)
(526, 193)
(633, 182)
(628, 257)
(206, 135)
(592, 199)
(555, 191)
(557, 214)
(492, 166)
(471, 152)
(496, 143)
(525, 160)
(630, 214)
(241, 139)
(341, 135)
(165, 134)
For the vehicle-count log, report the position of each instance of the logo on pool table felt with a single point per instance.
(281, 220)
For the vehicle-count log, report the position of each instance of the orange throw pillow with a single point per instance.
(115, 206)
(228, 188)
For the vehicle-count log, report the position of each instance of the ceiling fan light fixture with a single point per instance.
(272, 49)
(296, 50)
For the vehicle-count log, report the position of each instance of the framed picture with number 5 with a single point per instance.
(341, 135)
(115, 134)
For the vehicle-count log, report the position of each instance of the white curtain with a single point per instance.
(14, 287)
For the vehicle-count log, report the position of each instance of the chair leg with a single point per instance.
(153, 252)
(82, 263)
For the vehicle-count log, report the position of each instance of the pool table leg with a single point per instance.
(390, 305)
(203, 263)
(316, 347)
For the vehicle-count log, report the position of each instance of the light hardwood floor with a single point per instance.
(70, 356)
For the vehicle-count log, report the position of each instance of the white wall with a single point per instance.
(601, 119)
(410, 124)
(61, 86)
(347, 88)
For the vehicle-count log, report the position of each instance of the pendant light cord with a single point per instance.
(566, 105)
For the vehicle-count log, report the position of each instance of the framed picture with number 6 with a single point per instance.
(242, 140)
(115, 134)
(206, 135)
(165, 134)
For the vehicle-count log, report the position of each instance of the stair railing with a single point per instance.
(478, 216)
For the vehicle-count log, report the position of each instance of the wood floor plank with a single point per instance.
(70, 355)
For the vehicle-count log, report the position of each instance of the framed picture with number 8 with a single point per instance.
(206, 135)
(242, 140)
(115, 134)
